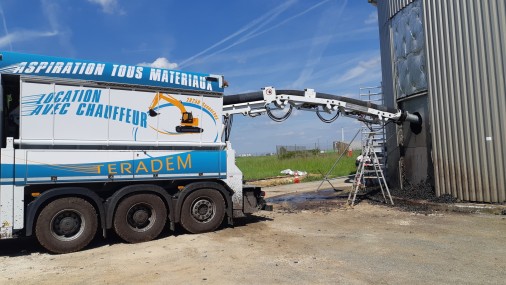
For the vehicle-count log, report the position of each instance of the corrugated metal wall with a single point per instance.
(466, 64)
(465, 48)
(391, 7)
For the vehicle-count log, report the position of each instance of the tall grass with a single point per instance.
(261, 167)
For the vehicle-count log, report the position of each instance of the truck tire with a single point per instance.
(66, 225)
(140, 218)
(202, 211)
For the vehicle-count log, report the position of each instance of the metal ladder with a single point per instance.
(364, 173)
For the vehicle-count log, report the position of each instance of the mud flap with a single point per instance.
(253, 200)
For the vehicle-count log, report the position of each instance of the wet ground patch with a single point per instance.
(323, 200)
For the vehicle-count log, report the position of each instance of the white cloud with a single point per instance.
(52, 10)
(267, 22)
(372, 19)
(108, 6)
(320, 41)
(249, 29)
(160, 62)
(20, 36)
(5, 25)
(361, 69)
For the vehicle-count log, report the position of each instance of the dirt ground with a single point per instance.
(309, 238)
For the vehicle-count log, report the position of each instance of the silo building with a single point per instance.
(446, 60)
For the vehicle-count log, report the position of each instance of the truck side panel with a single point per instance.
(182, 165)
(75, 111)
(54, 114)
(7, 194)
(66, 68)
(11, 197)
(66, 166)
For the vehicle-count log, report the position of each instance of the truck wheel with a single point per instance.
(140, 218)
(66, 225)
(203, 211)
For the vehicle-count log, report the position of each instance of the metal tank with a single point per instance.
(446, 60)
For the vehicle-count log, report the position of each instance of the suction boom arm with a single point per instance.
(269, 99)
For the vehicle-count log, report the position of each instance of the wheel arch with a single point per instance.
(225, 192)
(112, 202)
(34, 207)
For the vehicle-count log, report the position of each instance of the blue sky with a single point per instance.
(331, 46)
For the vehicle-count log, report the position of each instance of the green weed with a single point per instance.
(316, 165)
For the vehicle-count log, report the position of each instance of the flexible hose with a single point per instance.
(327, 120)
(278, 119)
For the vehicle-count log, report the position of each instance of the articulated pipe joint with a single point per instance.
(414, 118)
(415, 122)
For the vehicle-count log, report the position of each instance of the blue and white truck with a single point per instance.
(89, 146)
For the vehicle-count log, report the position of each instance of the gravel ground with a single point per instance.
(309, 238)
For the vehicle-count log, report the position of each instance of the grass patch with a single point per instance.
(262, 167)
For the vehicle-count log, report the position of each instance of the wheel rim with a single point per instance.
(67, 225)
(141, 217)
(203, 210)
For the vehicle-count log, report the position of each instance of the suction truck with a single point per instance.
(91, 147)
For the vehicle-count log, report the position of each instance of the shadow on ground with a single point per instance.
(29, 245)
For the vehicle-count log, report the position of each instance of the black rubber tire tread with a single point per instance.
(194, 226)
(43, 225)
(129, 235)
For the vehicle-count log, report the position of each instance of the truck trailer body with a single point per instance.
(91, 145)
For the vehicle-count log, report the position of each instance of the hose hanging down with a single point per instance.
(278, 119)
(328, 121)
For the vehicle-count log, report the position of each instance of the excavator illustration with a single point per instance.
(189, 124)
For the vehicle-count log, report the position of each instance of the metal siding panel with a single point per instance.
(384, 8)
(438, 130)
(472, 138)
(450, 159)
(394, 6)
(495, 83)
(462, 127)
(445, 105)
(466, 67)
(499, 123)
(481, 68)
(427, 17)
(489, 90)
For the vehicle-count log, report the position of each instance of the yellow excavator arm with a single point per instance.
(189, 124)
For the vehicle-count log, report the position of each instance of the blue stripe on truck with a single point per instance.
(192, 164)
